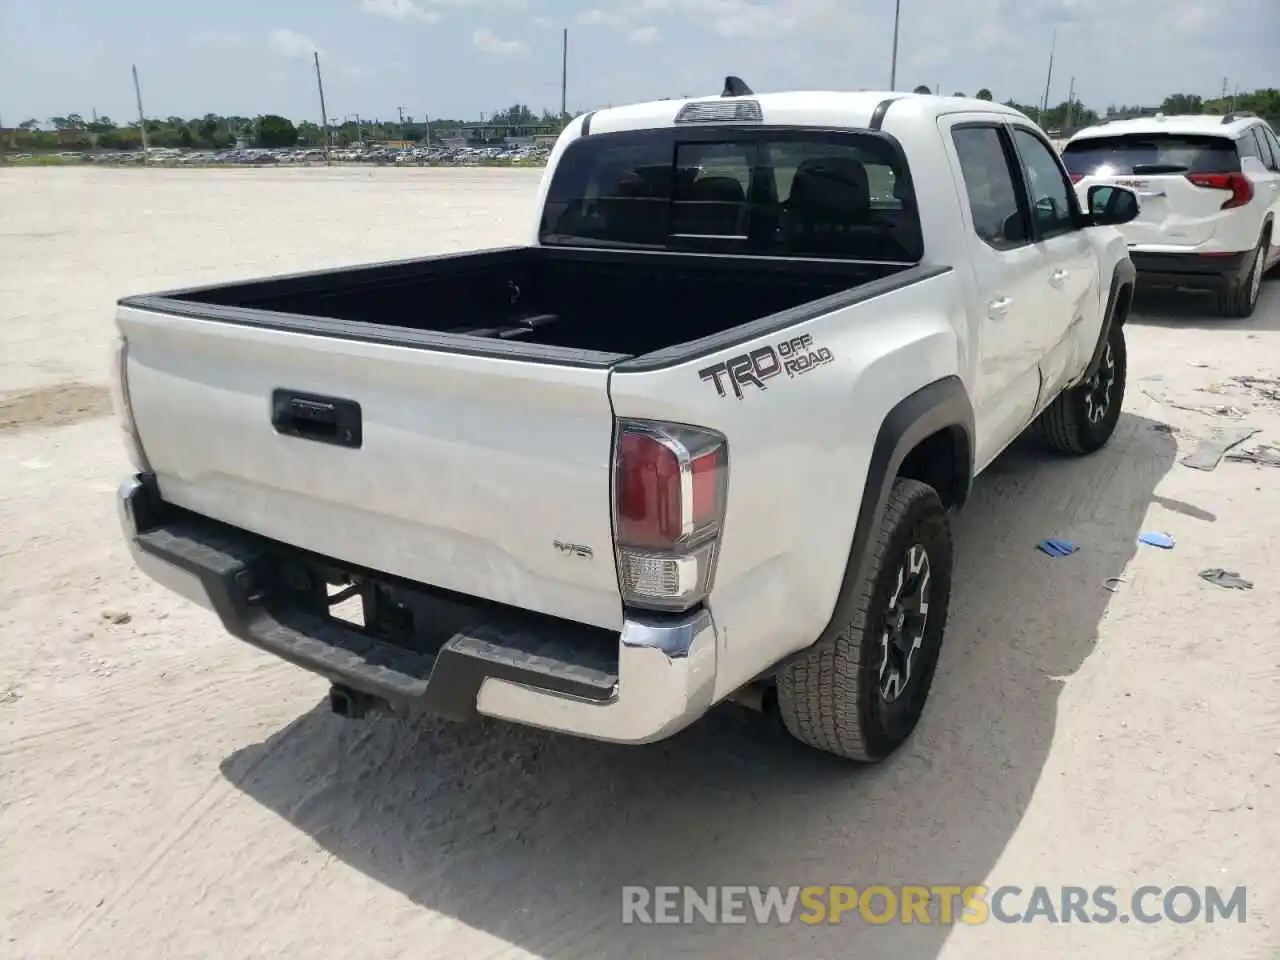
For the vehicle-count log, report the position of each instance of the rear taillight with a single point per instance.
(123, 405)
(1240, 186)
(669, 483)
(1077, 177)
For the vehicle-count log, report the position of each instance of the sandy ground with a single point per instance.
(167, 792)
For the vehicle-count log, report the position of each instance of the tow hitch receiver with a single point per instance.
(354, 704)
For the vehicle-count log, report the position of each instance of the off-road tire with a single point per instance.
(831, 698)
(1239, 300)
(1066, 426)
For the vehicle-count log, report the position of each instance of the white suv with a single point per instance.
(1209, 194)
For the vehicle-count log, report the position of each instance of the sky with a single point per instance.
(458, 58)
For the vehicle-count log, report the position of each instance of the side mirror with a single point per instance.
(1111, 206)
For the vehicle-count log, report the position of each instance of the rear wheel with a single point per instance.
(860, 694)
(1241, 299)
(1082, 419)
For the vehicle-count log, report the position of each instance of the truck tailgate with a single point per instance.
(475, 474)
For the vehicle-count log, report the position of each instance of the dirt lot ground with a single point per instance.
(168, 792)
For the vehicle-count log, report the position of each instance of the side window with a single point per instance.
(991, 187)
(1264, 149)
(1249, 146)
(1050, 191)
(1274, 144)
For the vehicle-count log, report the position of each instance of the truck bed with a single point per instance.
(447, 421)
(523, 300)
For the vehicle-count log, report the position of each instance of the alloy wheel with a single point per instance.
(1097, 389)
(904, 625)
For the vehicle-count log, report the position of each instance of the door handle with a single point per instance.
(1058, 278)
(1152, 193)
(998, 307)
(309, 416)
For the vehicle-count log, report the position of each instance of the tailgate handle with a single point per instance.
(310, 416)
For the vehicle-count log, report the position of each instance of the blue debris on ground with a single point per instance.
(1057, 548)
(1162, 540)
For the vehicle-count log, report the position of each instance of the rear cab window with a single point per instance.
(777, 192)
(1136, 154)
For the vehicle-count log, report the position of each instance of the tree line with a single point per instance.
(214, 132)
(1070, 116)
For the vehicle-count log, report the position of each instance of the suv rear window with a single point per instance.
(1151, 153)
(767, 192)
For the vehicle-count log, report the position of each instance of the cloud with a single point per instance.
(486, 41)
(745, 18)
(733, 18)
(220, 40)
(356, 72)
(624, 19)
(595, 17)
(291, 45)
(400, 10)
(543, 23)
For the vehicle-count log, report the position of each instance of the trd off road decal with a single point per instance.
(793, 357)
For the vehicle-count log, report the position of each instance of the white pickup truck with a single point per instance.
(699, 439)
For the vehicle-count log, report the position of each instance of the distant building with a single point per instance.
(507, 133)
(1133, 113)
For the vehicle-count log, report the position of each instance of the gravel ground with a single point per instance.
(166, 791)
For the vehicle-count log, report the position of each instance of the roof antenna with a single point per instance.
(735, 87)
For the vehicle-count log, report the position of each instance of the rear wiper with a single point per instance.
(1153, 168)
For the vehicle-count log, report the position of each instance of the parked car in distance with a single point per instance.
(698, 439)
(1209, 195)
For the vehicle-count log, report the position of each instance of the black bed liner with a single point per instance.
(573, 306)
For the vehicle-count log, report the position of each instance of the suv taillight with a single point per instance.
(1240, 186)
(669, 483)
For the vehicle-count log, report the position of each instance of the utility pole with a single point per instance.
(893, 60)
(1044, 105)
(324, 114)
(426, 127)
(401, 109)
(564, 71)
(142, 120)
(1224, 88)
(1071, 107)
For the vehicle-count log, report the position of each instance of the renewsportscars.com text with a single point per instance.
(934, 904)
